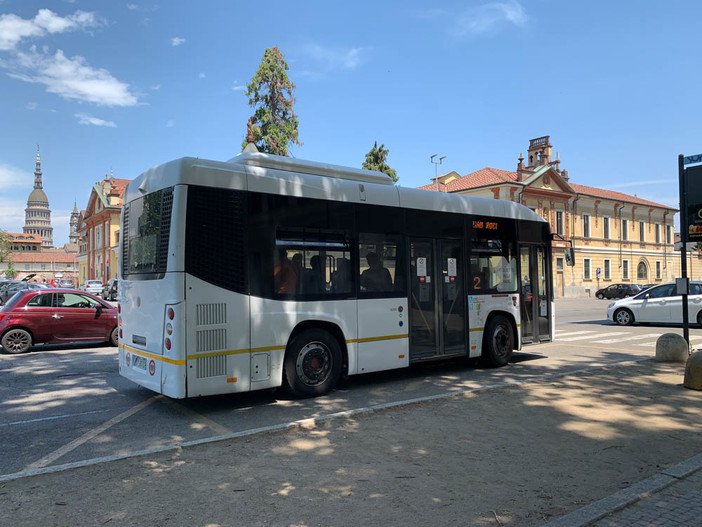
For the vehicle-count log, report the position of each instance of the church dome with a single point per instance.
(38, 195)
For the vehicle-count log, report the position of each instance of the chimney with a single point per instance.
(565, 175)
(520, 168)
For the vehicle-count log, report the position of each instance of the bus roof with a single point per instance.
(309, 179)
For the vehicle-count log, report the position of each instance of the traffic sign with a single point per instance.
(690, 160)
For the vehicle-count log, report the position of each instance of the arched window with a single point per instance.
(642, 272)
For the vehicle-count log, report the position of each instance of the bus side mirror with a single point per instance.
(570, 256)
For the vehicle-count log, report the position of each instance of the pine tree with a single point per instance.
(375, 160)
(274, 123)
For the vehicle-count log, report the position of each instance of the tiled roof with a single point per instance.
(488, 177)
(45, 256)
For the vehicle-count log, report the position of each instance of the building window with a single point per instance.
(559, 222)
(625, 269)
(658, 233)
(659, 270)
(559, 264)
(668, 234)
(625, 229)
(642, 231)
(605, 227)
(586, 225)
(607, 269)
(587, 275)
(642, 272)
(43, 267)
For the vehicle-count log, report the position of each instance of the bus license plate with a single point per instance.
(139, 362)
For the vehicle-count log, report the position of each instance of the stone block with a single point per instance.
(671, 347)
(693, 371)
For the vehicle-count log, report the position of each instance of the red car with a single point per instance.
(50, 316)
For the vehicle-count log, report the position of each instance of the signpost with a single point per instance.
(690, 222)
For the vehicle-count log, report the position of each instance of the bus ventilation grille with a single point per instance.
(208, 314)
(211, 366)
(211, 340)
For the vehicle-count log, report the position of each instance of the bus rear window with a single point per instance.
(147, 222)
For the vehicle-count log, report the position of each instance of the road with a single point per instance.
(66, 405)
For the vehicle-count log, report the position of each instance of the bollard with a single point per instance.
(671, 347)
(693, 371)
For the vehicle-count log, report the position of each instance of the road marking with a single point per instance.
(91, 434)
(310, 421)
(53, 418)
(571, 339)
(569, 333)
(205, 421)
(634, 337)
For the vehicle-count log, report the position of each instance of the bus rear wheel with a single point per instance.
(312, 363)
(498, 342)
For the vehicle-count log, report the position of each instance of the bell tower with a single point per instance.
(539, 152)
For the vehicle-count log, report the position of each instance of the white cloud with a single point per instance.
(333, 59)
(156, 87)
(131, 7)
(71, 78)
(238, 87)
(95, 121)
(31, 106)
(638, 183)
(12, 214)
(481, 19)
(14, 177)
(13, 28)
(177, 41)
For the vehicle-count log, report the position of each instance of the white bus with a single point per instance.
(266, 271)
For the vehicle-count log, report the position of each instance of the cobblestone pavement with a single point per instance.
(669, 499)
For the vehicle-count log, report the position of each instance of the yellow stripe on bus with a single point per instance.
(374, 339)
(152, 355)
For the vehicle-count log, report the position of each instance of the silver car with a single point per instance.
(657, 305)
(93, 286)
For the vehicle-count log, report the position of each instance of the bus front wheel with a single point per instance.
(312, 363)
(498, 342)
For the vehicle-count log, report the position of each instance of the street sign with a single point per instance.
(599, 271)
(693, 204)
(691, 160)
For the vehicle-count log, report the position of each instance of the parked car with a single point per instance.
(109, 290)
(66, 282)
(51, 316)
(8, 292)
(646, 286)
(93, 286)
(659, 304)
(618, 291)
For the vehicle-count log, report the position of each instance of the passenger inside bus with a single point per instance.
(376, 277)
(312, 279)
(285, 275)
(341, 278)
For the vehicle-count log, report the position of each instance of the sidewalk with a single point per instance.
(553, 451)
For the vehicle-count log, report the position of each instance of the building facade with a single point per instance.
(98, 228)
(618, 238)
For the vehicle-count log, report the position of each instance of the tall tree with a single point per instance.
(4, 245)
(270, 92)
(376, 160)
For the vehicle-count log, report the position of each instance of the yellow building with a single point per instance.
(617, 238)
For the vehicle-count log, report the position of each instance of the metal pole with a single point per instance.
(683, 250)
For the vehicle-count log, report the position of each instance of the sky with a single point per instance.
(116, 87)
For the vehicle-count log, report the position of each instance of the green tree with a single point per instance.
(10, 272)
(376, 160)
(273, 126)
(4, 245)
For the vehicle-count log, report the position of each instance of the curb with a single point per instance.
(625, 497)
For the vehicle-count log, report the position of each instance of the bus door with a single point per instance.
(437, 316)
(535, 294)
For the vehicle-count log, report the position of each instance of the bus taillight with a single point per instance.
(171, 313)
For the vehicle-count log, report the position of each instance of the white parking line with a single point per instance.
(91, 434)
(571, 339)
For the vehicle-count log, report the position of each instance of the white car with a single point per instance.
(93, 286)
(659, 305)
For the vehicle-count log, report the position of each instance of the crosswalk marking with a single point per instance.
(625, 338)
(568, 333)
(583, 337)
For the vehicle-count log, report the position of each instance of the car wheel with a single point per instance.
(16, 341)
(699, 318)
(600, 296)
(114, 337)
(623, 317)
(498, 342)
(312, 363)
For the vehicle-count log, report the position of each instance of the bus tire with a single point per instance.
(312, 363)
(498, 342)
